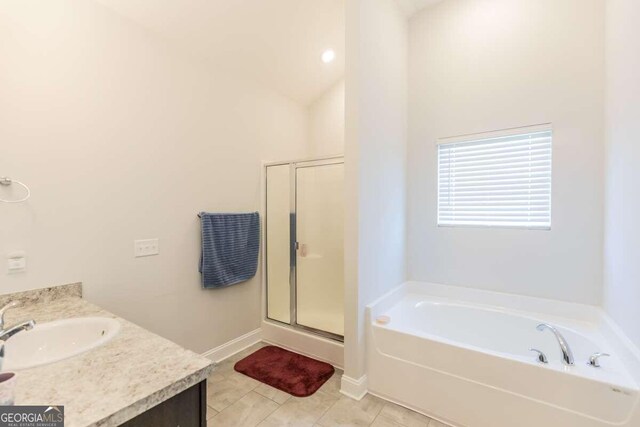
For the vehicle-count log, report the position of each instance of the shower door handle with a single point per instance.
(302, 249)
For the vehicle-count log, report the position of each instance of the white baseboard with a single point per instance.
(234, 346)
(354, 388)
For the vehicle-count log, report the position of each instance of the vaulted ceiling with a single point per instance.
(278, 42)
(410, 7)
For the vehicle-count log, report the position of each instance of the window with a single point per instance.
(498, 179)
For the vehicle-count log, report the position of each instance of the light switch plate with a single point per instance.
(147, 247)
(16, 262)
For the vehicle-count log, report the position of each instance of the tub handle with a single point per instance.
(542, 358)
(593, 360)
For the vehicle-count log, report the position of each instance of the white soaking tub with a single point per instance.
(462, 356)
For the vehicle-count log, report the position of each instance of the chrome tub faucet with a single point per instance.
(567, 354)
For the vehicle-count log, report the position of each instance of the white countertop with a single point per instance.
(110, 384)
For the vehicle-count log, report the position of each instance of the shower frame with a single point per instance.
(293, 243)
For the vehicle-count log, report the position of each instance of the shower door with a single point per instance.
(304, 248)
(319, 247)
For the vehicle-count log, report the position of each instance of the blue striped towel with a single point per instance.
(230, 245)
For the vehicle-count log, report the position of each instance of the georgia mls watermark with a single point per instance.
(31, 416)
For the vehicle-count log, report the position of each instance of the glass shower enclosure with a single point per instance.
(304, 245)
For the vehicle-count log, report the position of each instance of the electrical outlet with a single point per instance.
(147, 247)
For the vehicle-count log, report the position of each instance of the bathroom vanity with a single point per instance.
(188, 408)
(135, 378)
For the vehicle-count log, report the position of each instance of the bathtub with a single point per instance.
(462, 356)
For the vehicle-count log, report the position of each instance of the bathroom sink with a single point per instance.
(54, 341)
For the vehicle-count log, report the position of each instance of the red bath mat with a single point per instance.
(285, 370)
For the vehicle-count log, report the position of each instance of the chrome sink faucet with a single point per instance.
(567, 354)
(5, 334)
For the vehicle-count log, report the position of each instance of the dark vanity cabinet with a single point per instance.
(186, 409)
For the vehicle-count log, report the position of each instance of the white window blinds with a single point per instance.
(501, 180)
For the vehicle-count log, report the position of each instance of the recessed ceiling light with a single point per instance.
(328, 56)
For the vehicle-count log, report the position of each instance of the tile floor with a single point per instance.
(236, 400)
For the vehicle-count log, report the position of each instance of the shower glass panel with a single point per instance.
(319, 250)
(304, 245)
(278, 243)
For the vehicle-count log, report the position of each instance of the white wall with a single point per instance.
(121, 138)
(622, 231)
(478, 66)
(326, 122)
(375, 150)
